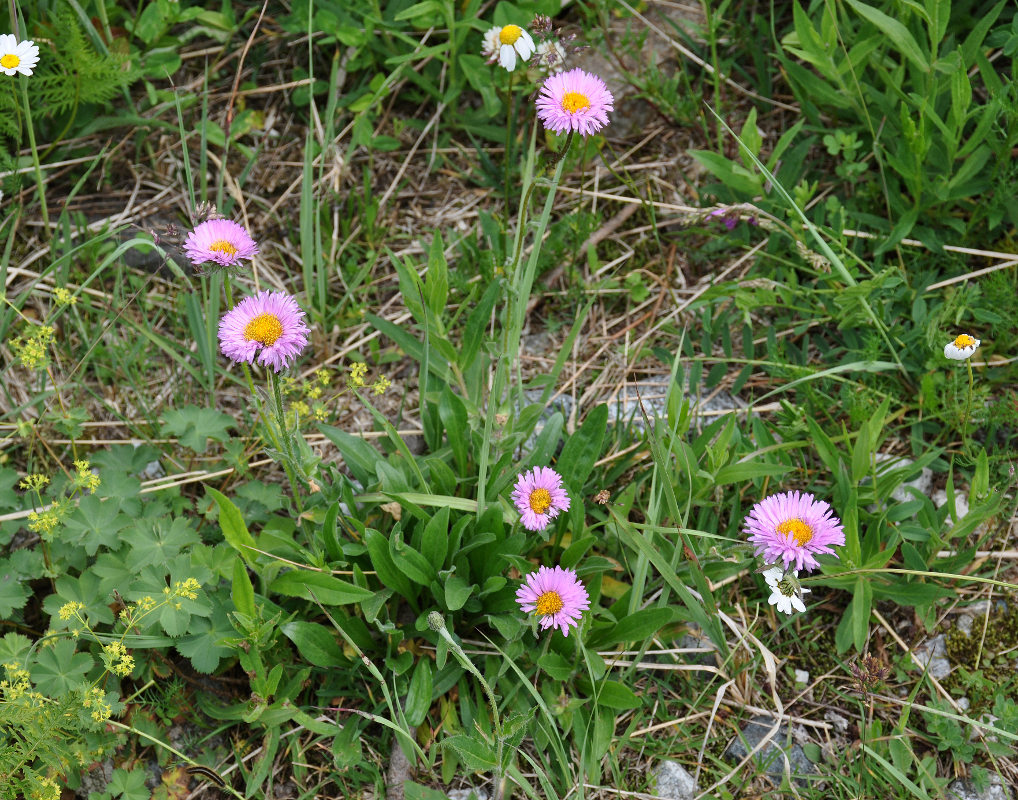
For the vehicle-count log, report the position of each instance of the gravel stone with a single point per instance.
(671, 781)
(771, 758)
(965, 789)
(934, 652)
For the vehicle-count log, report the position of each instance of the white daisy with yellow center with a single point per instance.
(17, 56)
(513, 40)
(961, 348)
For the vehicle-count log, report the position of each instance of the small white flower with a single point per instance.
(17, 56)
(961, 348)
(489, 49)
(785, 594)
(551, 56)
(512, 40)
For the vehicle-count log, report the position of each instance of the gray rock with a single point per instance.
(470, 793)
(670, 780)
(923, 482)
(801, 676)
(934, 652)
(771, 757)
(696, 639)
(152, 471)
(96, 779)
(965, 789)
(653, 394)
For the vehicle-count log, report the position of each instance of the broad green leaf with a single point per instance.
(13, 591)
(583, 448)
(315, 643)
(194, 426)
(59, 669)
(899, 35)
(747, 471)
(457, 592)
(328, 590)
(418, 699)
(637, 627)
(242, 590)
(232, 524)
(612, 694)
(476, 754)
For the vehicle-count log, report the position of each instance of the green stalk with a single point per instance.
(968, 408)
(39, 185)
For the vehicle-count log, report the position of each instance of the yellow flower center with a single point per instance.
(549, 603)
(223, 246)
(10, 61)
(540, 500)
(964, 341)
(510, 34)
(799, 529)
(265, 328)
(574, 101)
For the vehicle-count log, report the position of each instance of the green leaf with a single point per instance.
(194, 426)
(613, 694)
(13, 592)
(556, 666)
(436, 283)
(476, 754)
(97, 523)
(418, 699)
(359, 456)
(435, 538)
(895, 31)
(130, 784)
(583, 448)
(734, 176)
(243, 591)
(206, 646)
(381, 561)
(409, 561)
(862, 601)
(457, 592)
(747, 471)
(329, 591)
(233, 526)
(59, 669)
(637, 626)
(316, 643)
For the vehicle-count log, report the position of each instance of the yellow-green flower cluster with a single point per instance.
(72, 609)
(117, 659)
(95, 699)
(85, 479)
(33, 482)
(64, 296)
(356, 380)
(188, 589)
(309, 394)
(45, 522)
(44, 789)
(133, 614)
(31, 350)
(357, 372)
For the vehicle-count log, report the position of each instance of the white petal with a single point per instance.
(525, 45)
(507, 57)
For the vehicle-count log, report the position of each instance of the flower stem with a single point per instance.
(968, 408)
(39, 184)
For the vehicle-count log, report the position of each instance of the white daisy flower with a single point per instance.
(489, 49)
(551, 56)
(961, 348)
(17, 56)
(514, 40)
(786, 593)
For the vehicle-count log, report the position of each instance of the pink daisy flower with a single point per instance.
(556, 595)
(219, 240)
(792, 527)
(269, 322)
(574, 101)
(539, 497)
